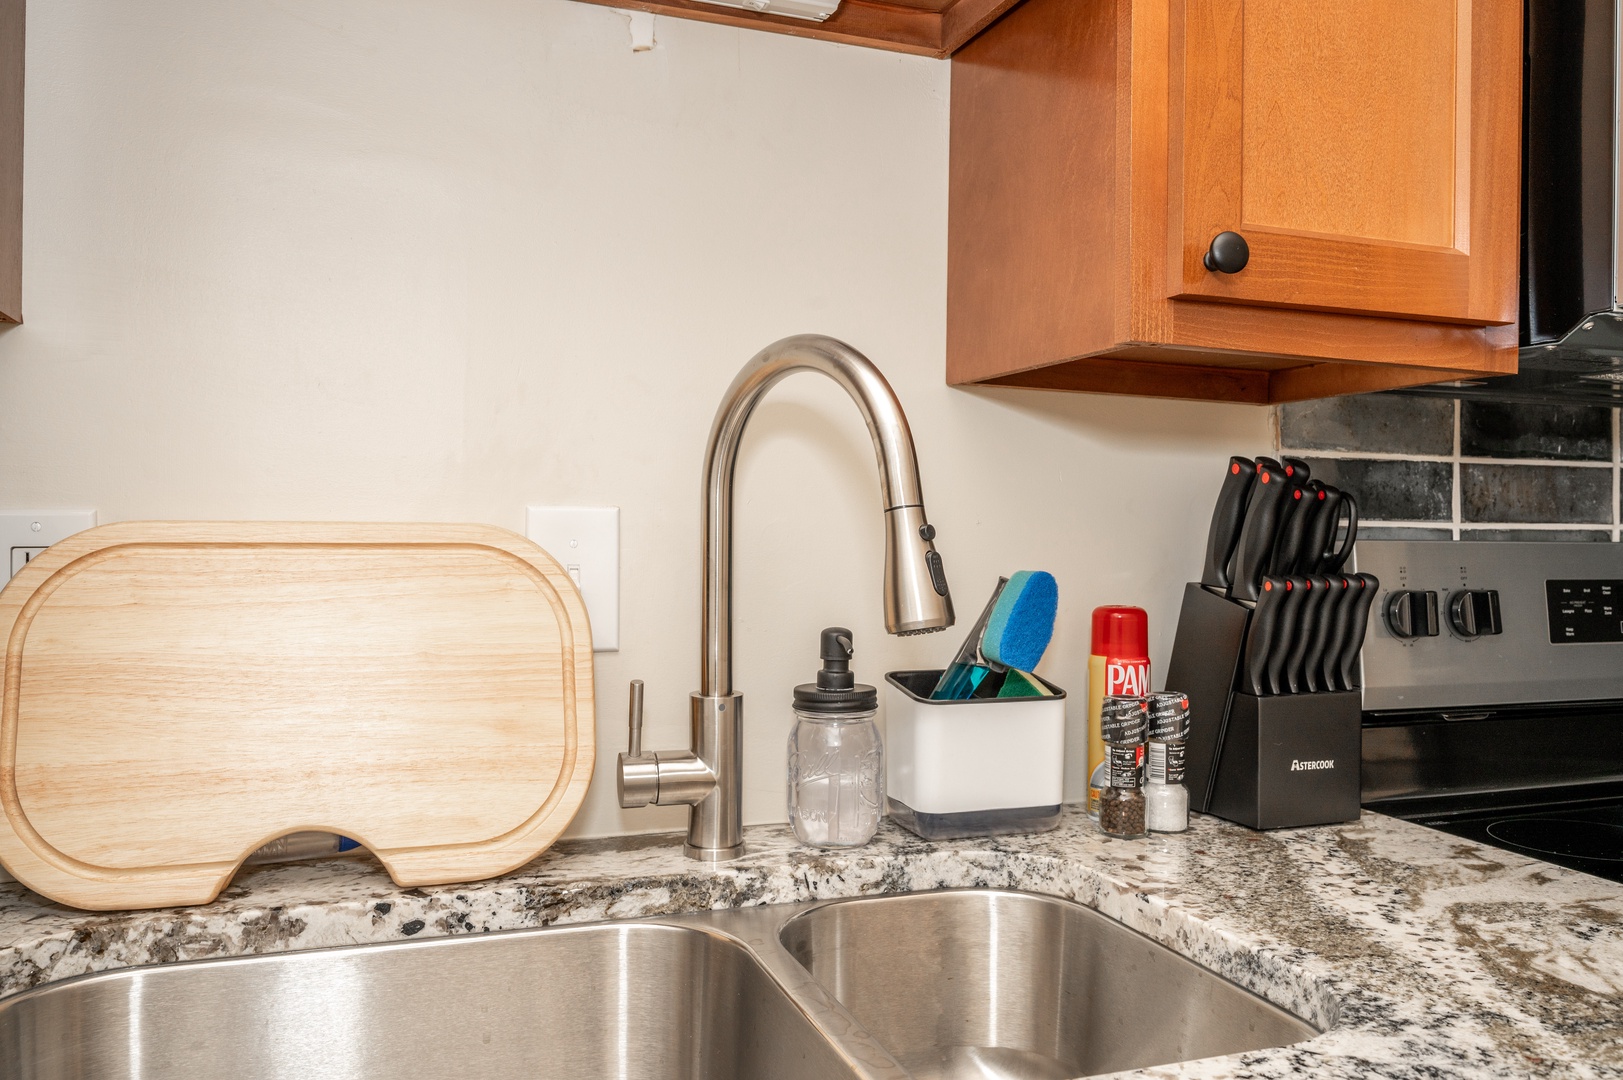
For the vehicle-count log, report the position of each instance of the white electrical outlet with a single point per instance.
(586, 540)
(24, 535)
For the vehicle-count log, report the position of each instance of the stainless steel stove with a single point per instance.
(1493, 695)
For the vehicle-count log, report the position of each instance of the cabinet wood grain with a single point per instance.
(1097, 148)
(1338, 139)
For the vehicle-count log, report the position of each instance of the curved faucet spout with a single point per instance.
(708, 777)
(916, 596)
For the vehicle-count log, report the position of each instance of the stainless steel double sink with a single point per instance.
(976, 983)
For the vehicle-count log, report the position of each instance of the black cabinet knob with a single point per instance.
(1228, 254)
(1412, 614)
(1474, 612)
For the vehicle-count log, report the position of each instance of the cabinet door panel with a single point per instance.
(1367, 151)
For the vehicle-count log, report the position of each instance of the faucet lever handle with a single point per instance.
(636, 719)
(637, 774)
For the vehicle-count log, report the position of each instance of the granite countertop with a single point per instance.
(1424, 955)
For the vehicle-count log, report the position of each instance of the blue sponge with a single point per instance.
(1022, 623)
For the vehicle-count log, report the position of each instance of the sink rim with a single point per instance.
(809, 913)
(738, 929)
(757, 931)
(811, 907)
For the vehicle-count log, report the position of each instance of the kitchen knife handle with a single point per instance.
(1324, 632)
(1340, 628)
(1259, 640)
(1226, 519)
(1256, 543)
(1306, 622)
(1334, 563)
(1297, 470)
(1297, 516)
(1290, 605)
(1358, 626)
(1317, 544)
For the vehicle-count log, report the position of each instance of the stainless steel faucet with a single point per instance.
(708, 778)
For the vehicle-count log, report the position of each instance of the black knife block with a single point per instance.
(1263, 762)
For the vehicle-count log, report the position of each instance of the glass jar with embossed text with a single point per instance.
(836, 757)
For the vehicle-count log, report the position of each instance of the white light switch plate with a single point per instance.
(586, 540)
(24, 535)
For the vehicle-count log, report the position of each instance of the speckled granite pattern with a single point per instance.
(1422, 955)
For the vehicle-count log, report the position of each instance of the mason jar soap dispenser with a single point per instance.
(836, 759)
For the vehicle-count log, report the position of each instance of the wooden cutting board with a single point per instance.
(179, 693)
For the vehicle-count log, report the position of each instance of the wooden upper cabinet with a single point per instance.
(924, 27)
(1368, 153)
(1337, 139)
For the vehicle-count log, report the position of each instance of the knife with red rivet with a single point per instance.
(1323, 636)
(1307, 623)
(1256, 544)
(1357, 625)
(1297, 517)
(1259, 640)
(1323, 530)
(1227, 516)
(1285, 624)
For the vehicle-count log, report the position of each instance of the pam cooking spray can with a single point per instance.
(1118, 665)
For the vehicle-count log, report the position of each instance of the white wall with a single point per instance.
(440, 259)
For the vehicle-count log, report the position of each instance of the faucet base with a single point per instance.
(713, 855)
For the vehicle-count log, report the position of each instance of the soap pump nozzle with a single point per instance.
(835, 691)
(835, 673)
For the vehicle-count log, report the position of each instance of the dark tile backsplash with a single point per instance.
(1392, 490)
(1535, 494)
(1376, 423)
(1570, 432)
(1519, 469)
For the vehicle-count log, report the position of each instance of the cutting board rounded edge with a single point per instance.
(201, 883)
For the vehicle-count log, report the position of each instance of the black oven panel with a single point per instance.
(1585, 610)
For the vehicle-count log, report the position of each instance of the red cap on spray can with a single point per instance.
(1121, 632)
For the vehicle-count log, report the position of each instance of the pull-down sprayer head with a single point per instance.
(916, 596)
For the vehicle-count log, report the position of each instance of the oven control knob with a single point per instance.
(1474, 612)
(1412, 614)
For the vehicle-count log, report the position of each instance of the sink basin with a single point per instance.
(638, 1001)
(989, 984)
(977, 984)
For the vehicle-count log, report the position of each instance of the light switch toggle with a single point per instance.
(586, 542)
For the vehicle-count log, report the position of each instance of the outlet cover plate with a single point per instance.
(586, 541)
(24, 534)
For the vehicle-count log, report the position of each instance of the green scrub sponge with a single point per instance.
(1021, 684)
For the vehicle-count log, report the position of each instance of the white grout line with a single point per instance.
(1515, 526)
(1372, 455)
(1456, 465)
(1617, 461)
